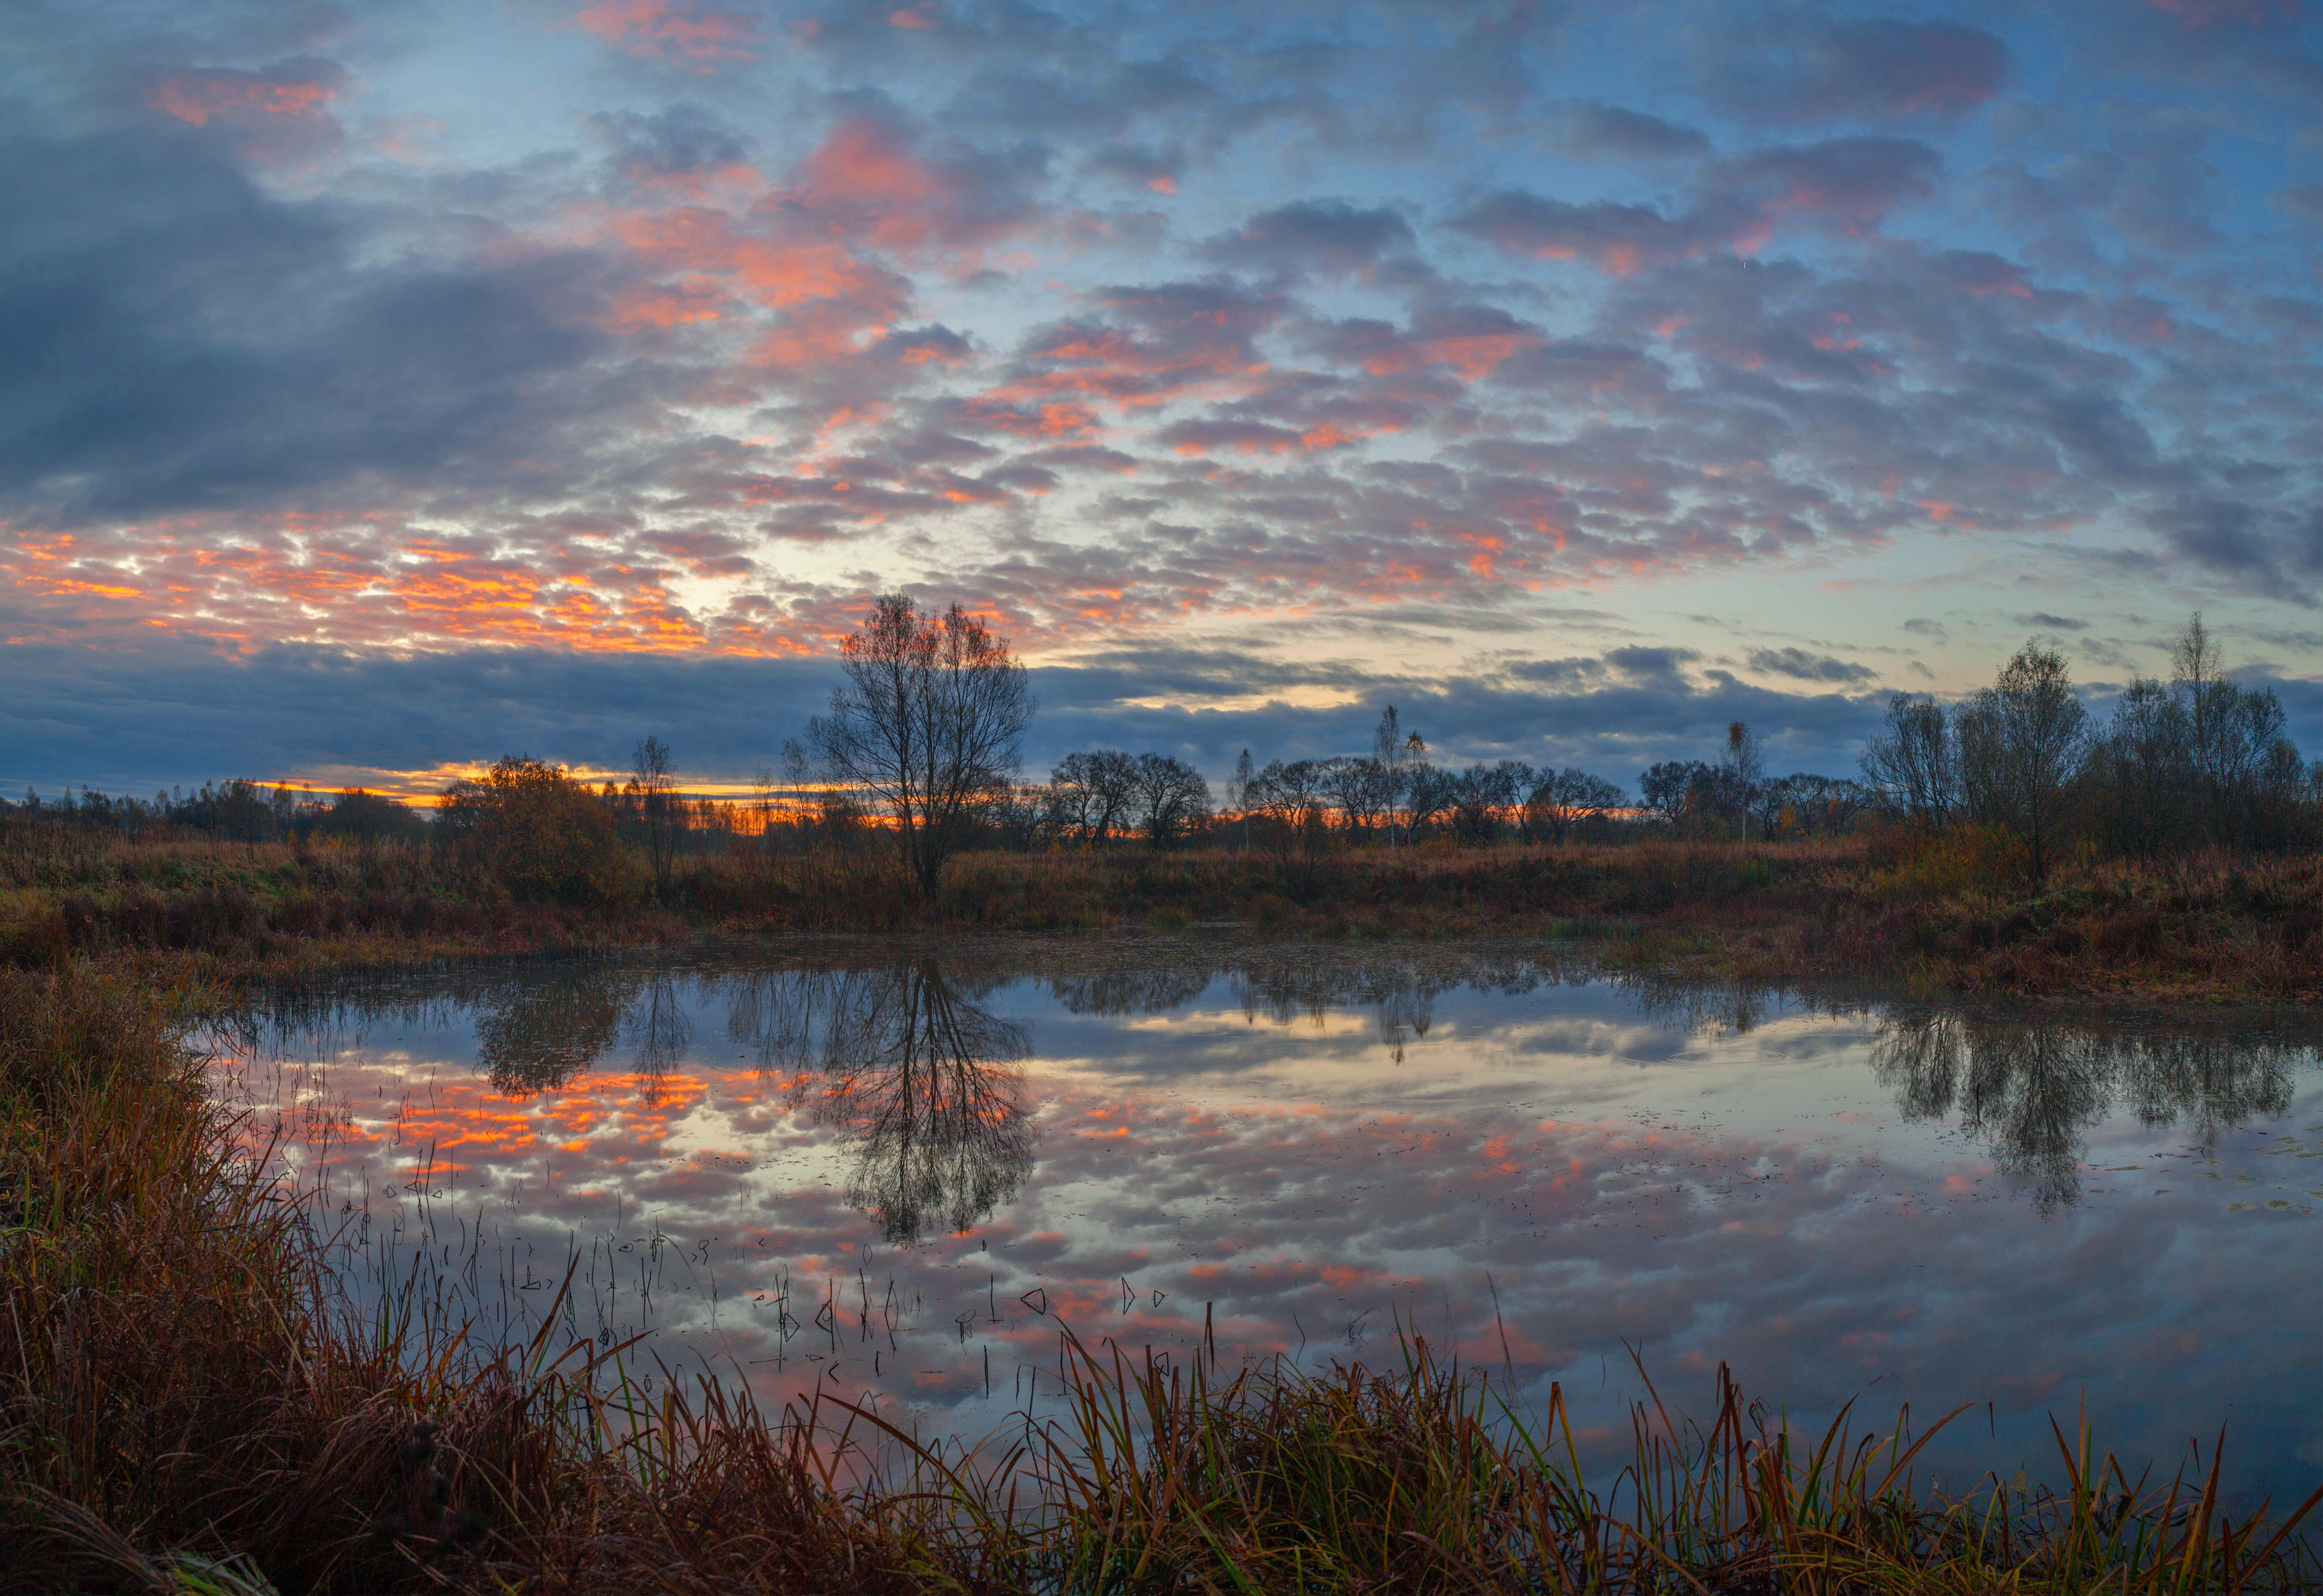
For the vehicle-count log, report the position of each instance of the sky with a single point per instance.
(387, 388)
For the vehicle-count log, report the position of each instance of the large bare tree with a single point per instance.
(929, 726)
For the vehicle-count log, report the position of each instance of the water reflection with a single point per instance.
(660, 1030)
(902, 1058)
(536, 1035)
(913, 1072)
(2032, 1088)
(852, 1142)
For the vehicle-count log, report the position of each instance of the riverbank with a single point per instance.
(1950, 912)
(187, 1403)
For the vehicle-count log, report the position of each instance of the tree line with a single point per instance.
(2196, 761)
(920, 750)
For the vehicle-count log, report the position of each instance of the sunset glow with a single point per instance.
(1543, 371)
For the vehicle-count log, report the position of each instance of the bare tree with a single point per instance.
(1072, 797)
(929, 725)
(1294, 797)
(1172, 795)
(653, 792)
(1112, 783)
(1429, 794)
(1393, 753)
(1564, 798)
(1485, 794)
(1673, 789)
(1741, 769)
(2020, 741)
(1358, 789)
(1238, 794)
(1910, 761)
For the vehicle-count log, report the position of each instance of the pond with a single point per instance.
(891, 1170)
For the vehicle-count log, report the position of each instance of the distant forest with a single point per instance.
(2197, 760)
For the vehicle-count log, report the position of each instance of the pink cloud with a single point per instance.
(657, 31)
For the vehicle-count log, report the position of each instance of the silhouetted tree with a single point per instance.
(1674, 789)
(1238, 794)
(1295, 799)
(1909, 761)
(929, 726)
(1564, 798)
(1093, 793)
(1358, 789)
(1484, 793)
(1171, 797)
(653, 792)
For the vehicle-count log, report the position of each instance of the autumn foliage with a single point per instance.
(539, 833)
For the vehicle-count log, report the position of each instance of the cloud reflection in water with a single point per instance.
(1984, 1204)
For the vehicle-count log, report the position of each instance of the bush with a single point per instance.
(543, 835)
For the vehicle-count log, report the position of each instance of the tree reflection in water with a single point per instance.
(661, 1031)
(538, 1031)
(2032, 1087)
(899, 1055)
(916, 1076)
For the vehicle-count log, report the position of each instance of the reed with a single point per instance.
(189, 1403)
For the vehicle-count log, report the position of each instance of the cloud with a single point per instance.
(1849, 182)
(173, 714)
(690, 33)
(1609, 235)
(1823, 69)
(2301, 202)
(1328, 235)
(1612, 132)
(174, 339)
(684, 139)
(1809, 667)
(2048, 623)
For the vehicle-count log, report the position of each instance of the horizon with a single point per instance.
(390, 391)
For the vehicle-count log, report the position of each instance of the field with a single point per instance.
(1950, 912)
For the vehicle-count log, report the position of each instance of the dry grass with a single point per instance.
(1952, 911)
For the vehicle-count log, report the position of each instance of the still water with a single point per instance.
(891, 1169)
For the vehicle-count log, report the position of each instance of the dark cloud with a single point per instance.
(1655, 666)
(124, 721)
(1329, 235)
(2052, 623)
(1809, 667)
(1615, 133)
(174, 339)
(1607, 234)
(1821, 69)
(1156, 167)
(2220, 533)
(1852, 182)
(681, 140)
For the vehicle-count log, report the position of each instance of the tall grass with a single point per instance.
(187, 1403)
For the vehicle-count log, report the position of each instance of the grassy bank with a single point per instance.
(188, 1404)
(1952, 911)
